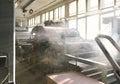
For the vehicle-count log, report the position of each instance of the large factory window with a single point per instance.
(106, 23)
(92, 5)
(46, 16)
(61, 12)
(37, 20)
(117, 2)
(33, 21)
(81, 6)
(92, 26)
(82, 27)
(107, 3)
(72, 8)
(51, 15)
(72, 24)
(30, 22)
(56, 14)
(117, 13)
(43, 18)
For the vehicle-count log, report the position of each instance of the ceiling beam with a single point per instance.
(30, 1)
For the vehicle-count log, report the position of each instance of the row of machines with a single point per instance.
(48, 48)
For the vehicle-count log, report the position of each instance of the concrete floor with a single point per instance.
(29, 74)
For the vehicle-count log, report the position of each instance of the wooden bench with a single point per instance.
(70, 78)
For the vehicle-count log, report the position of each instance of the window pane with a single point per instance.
(106, 23)
(43, 18)
(51, 15)
(72, 8)
(82, 27)
(81, 6)
(117, 13)
(107, 3)
(62, 12)
(29, 22)
(118, 2)
(92, 27)
(33, 21)
(46, 16)
(116, 25)
(37, 20)
(92, 5)
(56, 14)
(72, 24)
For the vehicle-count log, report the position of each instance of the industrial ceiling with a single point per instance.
(26, 8)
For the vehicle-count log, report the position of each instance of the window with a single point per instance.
(82, 27)
(29, 22)
(56, 14)
(117, 13)
(118, 2)
(24, 23)
(116, 24)
(61, 12)
(72, 8)
(72, 24)
(92, 5)
(81, 6)
(106, 23)
(107, 3)
(33, 21)
(92, 26)
(43, 18)
(37, 20)
(51, 15)
(46, 16)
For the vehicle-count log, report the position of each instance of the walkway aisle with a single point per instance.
(26, 74)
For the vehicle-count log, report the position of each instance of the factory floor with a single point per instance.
(29, 74)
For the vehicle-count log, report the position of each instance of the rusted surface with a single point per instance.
(71, 78)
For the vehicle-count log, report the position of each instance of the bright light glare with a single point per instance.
(72, 24)
(106, 24)
(110, 48)
(72, 8)
(81, 27)
(107, 3)
(117, 13)
(93, 5)
(81, 6)
(92, 26)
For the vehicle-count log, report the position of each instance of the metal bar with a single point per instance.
(86, 61)
(102, 66)
(109, 57)
(5, 79)
(110, 39)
